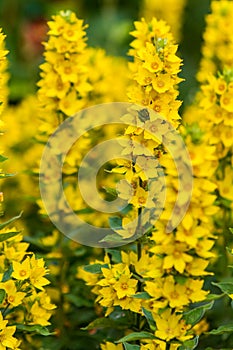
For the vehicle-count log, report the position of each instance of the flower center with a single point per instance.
(154, 65)
(11, 299)
(22, 273)
(147, 80)
(124, 286)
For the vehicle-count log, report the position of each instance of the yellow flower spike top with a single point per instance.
(217, 49)
(170, 10)
(63, 87)
(155, 69)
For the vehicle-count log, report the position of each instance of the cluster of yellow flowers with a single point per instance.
(155, 69)
(165, 274)
(218, 42)
(171, 11)
(158, 277)
(26, 285)
(23, 299)
(63, 85)
(83, 76)
(73, 75)
(212, 111)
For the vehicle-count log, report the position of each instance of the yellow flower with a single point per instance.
(111, 346)
(139, 198)
(177, 257)
(162, 83)
(6, 336)
(13, 296)
(70, 104)
(225, 186)
(39, 315)
(226, 101)
(220, 86)
(21, 271)
(175, 293)
(125, 286)
(37, 273)
(171, 326)
(194, 290)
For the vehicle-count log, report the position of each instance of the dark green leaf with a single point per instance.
(214, 296)
(115, 222)
(136, 336)
(114, 237)
(36, 242)
(228, 328)
(131, 347)
(111, 191)
(195, 315)
(2, 158)
(190, 344)
(4, 224)
(142, 295)
(95, 268)
(34, 329)
(2, 295)
(149, 318)
(7, 274)
(115, 255)
(226, 287)
(7, 235)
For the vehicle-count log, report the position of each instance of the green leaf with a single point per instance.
(231, 230)
(105, 322)
(115, 222)
(94, 268)
(115, 255)
(110, 190)
(35, 242)
(214, 296)
(2, 295)
(142, 295)
(6, 236)
(34, 329)
(190, 344)
(4, 224)
(228, 328)
(195, 315)
(149, 318)
(4, 176)
(136, 336)
(112, 238)
(226, 287)
(131, 347)
(7, 274)
(2, 158)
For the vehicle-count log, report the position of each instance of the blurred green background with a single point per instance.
(24, 22)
